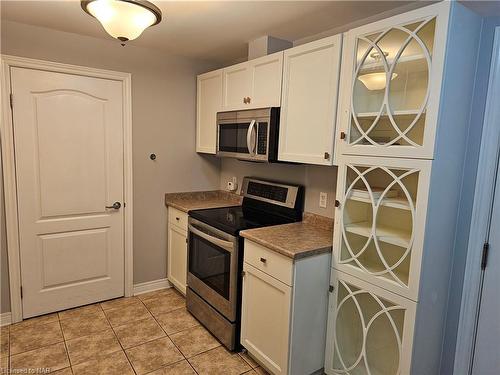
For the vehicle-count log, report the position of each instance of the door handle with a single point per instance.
(251, 148)
(115, 206)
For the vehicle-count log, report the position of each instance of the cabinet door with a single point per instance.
(237, 85)
(391, 84)
(370, 330)
(177, 257)
(208, 103)
(265, 319)
(309, 102)
(266, 73)
(380, 221)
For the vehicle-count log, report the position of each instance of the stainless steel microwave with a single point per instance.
(249, 134)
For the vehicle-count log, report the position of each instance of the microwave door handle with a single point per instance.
(251, 148)
(227, 245)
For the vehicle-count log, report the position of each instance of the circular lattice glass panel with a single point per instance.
(368, 333)
(377, 221)
(391, 85)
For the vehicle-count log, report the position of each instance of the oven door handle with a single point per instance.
(227, 245)
(251, 148)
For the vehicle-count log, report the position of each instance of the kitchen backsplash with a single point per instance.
(316, 179)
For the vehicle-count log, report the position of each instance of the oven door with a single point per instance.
(213, 267)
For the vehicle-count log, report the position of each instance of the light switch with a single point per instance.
(323, 198)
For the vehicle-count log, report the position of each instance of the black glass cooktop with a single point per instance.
(235, 219)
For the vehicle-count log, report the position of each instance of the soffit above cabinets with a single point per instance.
(211, 30)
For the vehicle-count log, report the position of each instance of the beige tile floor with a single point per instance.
(149, 334)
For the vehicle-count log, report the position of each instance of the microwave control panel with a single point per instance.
(262, 138)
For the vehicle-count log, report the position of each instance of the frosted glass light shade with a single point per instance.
(375, 81)
(123, 19)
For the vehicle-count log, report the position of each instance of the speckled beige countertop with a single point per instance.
(198, 200)
(312, 236)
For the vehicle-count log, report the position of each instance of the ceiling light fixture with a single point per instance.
(123, 19)
(376, 80)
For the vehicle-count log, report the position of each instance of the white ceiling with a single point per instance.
(212, 30)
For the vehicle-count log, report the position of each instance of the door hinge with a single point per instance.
(186, 240)
(243, 273)
(484, 258)
(124, 204)
(342, 135)
(337, 203)
(327, 156)
(21, 292)
(11, 99)
(331, 288)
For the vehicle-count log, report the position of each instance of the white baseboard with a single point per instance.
(150, 286)
(5, 319)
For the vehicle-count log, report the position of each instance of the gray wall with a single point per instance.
(316, 179)
(163, 110)
(467, 195)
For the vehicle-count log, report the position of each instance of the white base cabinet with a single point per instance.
(284, 310)
(177, 249)
(266, 315)
(370, 330)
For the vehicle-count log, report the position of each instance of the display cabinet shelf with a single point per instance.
(413, 63)
(385, 234)
(409, 112)
(397, 202)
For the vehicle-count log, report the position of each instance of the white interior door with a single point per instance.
(68, 136)
(486, 359)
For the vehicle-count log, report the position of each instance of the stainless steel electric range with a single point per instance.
(215, 256)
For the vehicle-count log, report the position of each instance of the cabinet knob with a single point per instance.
(245, 100)
(337, 203)
(263, 260)
(249, 99)
(177, 218)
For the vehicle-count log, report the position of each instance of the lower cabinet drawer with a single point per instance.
(274, 264)
(178, 218)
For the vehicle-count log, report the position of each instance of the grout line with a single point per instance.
(119, 343)
(65, 345)
(30, 350)
(172, 341)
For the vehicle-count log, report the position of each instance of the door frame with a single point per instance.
(9, 169)
(481, 217)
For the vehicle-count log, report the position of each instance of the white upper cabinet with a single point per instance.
(208, 103)
(391, 85)
(253, 84)
(237, 86)
(309, 102)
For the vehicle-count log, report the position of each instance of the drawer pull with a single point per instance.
(263, 260)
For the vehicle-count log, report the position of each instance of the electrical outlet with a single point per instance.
(233, 184)
(323, 198)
